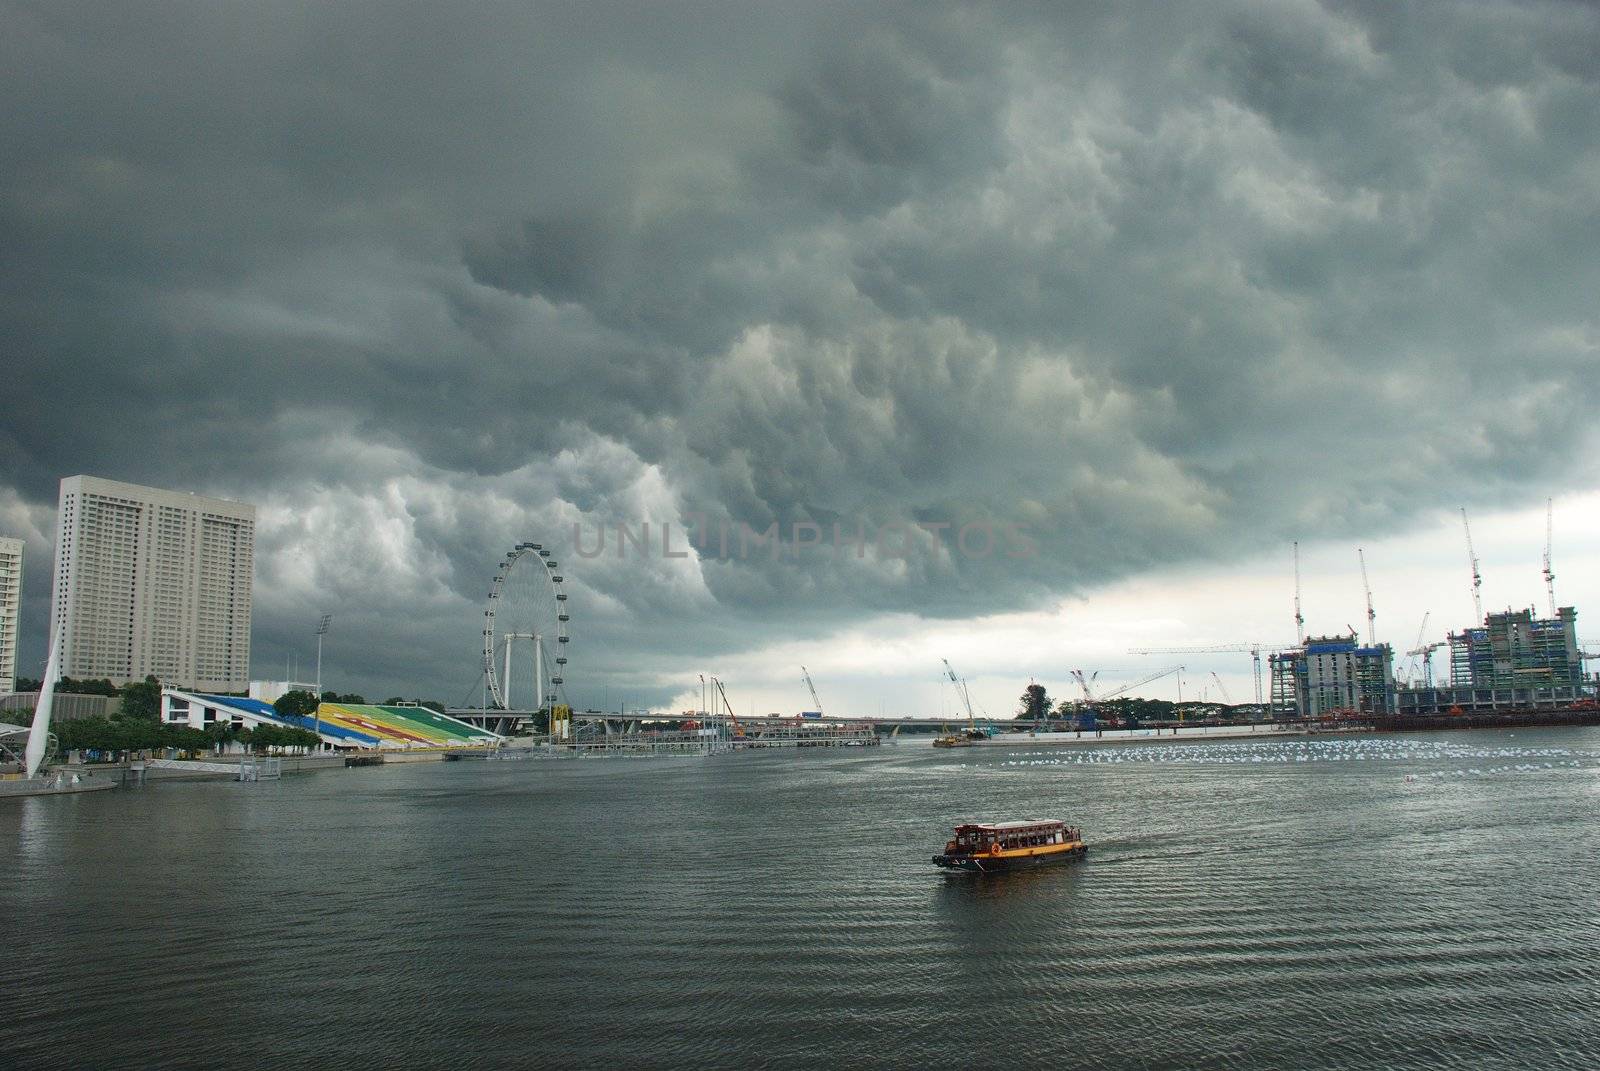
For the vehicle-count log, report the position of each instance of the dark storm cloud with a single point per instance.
(1160, 282)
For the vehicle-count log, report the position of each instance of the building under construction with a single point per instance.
(1512, 660)
(1331, 675)
(1514, 649)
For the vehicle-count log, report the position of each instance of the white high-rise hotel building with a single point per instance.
(10, 602)
(153, 582)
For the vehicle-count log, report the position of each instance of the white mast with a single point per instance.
(39, 734)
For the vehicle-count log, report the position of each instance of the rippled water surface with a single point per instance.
(1394, 902)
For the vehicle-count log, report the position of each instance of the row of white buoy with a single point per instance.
(1369, 749)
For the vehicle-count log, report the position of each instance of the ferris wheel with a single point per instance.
(525, 633)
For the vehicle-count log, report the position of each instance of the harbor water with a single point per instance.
(1397, 902)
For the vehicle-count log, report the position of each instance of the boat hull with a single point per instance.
(1005, 864)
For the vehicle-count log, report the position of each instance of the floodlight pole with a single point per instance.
(316, 711)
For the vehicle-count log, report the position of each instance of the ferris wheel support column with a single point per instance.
(538, 675)
(506, 685)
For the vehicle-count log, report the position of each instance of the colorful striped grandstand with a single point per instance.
(402, 726)
(341, 724)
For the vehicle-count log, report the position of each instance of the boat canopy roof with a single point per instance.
(1011, 827)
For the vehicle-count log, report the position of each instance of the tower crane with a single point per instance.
(1549, 531)
(1252, 649)
(1372, 618)
(1299, 619)
(1421, 632)
(813, 688)
(1426, 651)
(1477, 577)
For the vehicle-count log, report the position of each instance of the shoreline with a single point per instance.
(1090, 737)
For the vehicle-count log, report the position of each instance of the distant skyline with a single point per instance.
(1168, 287)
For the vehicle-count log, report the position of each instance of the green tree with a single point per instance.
(86, 687)
(296, 704)
(265, 737)
(1035, 703)
(141, 701)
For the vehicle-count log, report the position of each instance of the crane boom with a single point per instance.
(1252, 649)
(1372, 618)
(1141, 682)
(961, 690)
(1477, 577)
(1222, 688)
(738, 730)
(813, 688)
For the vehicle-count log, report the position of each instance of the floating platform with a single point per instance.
(1197, 734)
(55, 784)
(802, 735)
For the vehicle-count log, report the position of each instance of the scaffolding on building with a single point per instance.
(1286, 690)
(1515, 649)
(1332, 675)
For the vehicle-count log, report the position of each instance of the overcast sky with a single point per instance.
(1164, 286)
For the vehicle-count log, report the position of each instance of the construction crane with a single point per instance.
(1299, 619)
(1549, 532)
(966, 698)
(1226, 698)
(1421, 632)
(1426, 651)
(1372, 618)
(1252, 649)
(1084, 683)
(1477, 577)
(1141, 682)
(813, 688)
(733, 719)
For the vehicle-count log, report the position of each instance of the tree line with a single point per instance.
(1126, 711)
(303, 704)
(117, 735)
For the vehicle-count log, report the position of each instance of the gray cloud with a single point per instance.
(1163, 284)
